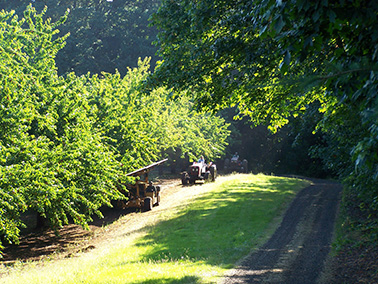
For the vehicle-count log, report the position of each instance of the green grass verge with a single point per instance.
(195, 244)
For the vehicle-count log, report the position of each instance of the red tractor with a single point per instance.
(199, 171)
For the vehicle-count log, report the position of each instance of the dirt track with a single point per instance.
(73, 239)
(297, 251)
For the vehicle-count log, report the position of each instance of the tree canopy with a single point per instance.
(104, 35)
(281, 59)
(66, 142)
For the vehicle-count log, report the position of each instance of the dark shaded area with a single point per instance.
(183, 280)
(356, 264)
(356, 259)
(289, 151)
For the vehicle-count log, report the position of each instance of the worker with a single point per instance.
(150, 187)
(201, 160)
(235, 157)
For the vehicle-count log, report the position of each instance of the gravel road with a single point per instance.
(297, 251)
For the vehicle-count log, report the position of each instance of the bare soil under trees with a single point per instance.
(298, 252)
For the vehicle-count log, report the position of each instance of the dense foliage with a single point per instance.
(274, 60)
(147, 126)
(104, 35)
(66, 141)
(52, 160)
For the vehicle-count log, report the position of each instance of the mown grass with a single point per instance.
(195, 244)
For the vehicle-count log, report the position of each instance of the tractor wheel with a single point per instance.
(226, 165)
(245, 166)
(157, 199)
(184, 179)
(147, 204)
(207, 176)
(213, 171)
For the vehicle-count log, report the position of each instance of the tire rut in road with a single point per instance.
(297, 250)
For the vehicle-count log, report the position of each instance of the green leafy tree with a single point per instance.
(53, 160)
(122, 114)
(22, 75)
(273, 59)
(185, 133)
(143, 127)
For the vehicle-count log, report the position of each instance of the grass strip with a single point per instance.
(196, 244)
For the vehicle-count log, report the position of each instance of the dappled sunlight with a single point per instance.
(256, 276)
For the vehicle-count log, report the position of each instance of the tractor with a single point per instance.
(236, 165)
(199, 171)
(142, 194)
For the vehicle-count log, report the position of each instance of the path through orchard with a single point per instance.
(297, 251)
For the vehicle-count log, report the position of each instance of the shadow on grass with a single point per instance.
(222, 226)
(37, 243)
(185, 279)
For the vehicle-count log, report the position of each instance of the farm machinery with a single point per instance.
(199, 171)
(235, 164)
(142, 194)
